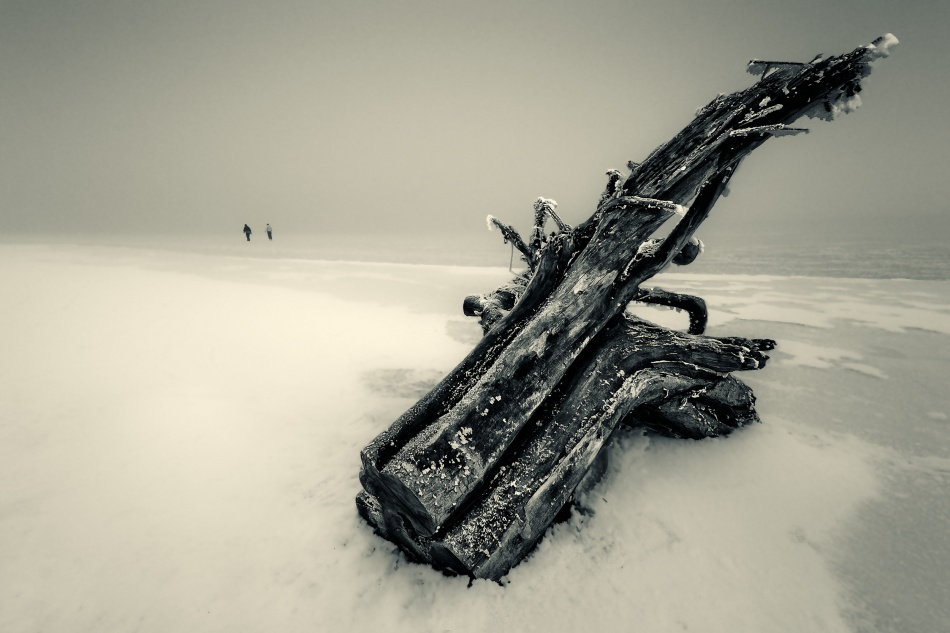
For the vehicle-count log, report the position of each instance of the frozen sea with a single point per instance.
(180, 422)
(768, 254)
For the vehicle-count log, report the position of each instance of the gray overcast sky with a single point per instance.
(167, 116)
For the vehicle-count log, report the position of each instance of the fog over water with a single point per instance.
(424, 116)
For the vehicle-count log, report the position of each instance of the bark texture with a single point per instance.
(471, 476)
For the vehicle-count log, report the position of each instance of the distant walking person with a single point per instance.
(270, 235)
(247, 232)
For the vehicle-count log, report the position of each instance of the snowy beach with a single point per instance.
(180, 436)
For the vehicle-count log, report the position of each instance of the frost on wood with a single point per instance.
(471, 476)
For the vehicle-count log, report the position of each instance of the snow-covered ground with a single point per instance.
(179, 439)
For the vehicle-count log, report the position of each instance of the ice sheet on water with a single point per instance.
(824, 357)
(181, 438)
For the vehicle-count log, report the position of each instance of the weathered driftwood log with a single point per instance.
(629, 367)
(470, 477)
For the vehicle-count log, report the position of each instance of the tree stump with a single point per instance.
(470, 477)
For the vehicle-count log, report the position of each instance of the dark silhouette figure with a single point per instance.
(247, 232)
(270, 234)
